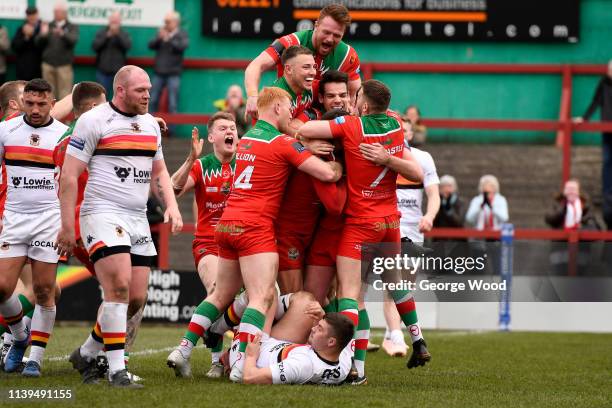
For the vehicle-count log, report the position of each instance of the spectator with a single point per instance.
(27, 51)
(489, 209)
(4, 47)
(452, 207)
(571, 209)
(603, 100)
(58, 39)
(420, 130)
(234, 104)
(111, 45)
(169, 44)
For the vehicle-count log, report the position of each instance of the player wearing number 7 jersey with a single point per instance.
(245, 232)
(371, 213)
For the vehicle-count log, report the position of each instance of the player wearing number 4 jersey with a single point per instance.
(120, 143)
(371, 213)
(31, 218)
(245, 233)
(211, 176)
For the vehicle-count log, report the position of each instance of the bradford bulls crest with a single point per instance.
(34, 139)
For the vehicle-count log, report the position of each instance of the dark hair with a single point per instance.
(38, 85)
(377, 94)
(218, 116)
(83, 91)
(334, 113)
(341, 327)
(332, 76)
(338, 12)
(31, 10)
(9, 91)
(293, 52)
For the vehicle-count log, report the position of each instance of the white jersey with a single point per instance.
(120, 150)
(27, 152)
(410, 195)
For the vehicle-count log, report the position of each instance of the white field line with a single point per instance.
(146, 352)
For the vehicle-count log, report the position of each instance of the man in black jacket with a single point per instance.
(603, 100)
(111, 45)
(58, 39)
(27, 52)
(169, 44)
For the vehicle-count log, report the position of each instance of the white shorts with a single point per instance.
(31, 235)
(269, 350)
(108, 234)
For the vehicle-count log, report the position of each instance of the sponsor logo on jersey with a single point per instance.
(89, 239)
(135, 127)
(293, 253)
(329, 373)
(16, 181)
(77, 143)
(32, 183)
(226, 187)
(230, 228)
(143, 241)
(387, 141)
(211, 189)
(298, 147)
(119, 231)
(214, 206)
(5, 246)
(281, 371)
(246, 146)
(34, 139)
(340, 120)
(379, 226)
(122, 173)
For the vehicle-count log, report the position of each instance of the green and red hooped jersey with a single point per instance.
(299, 102)
(213, 184)
(343, 58)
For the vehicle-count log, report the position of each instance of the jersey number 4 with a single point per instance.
(243, 181)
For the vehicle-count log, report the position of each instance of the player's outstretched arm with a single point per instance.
(181, 182)
(252, 77)
(71, 170)
(162, 188)
(251, 374)
(325, 171)
(407, 166)
(316, 129)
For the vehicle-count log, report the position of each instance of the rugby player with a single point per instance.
(211, 176)
(120, 144)
(413, 224)
(11, 106)
(30, 222)
(245, 233)
(325, 41)
(371, 212)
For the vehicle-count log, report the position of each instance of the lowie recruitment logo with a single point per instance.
(16, 181)
(122, 173)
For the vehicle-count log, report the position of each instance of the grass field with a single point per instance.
(467, 370)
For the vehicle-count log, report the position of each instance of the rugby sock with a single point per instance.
(349, 308)
(12, 311)
(94, 343)
(113, 323)
(252, 323)
(362, 335)
(231, 317)
(126, 358)
(282, 306)
(27, 309)
(202, 319)
(404, 302)
(216, 351)
(42, 326)
(332, 306)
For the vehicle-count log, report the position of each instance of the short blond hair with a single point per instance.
(270, 95)
(488, 179)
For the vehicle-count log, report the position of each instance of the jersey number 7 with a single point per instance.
(243, 181)
(380, 177)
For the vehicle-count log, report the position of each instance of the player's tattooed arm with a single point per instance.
(162, 188)
(181, 182)
(71, 170)
(251, 373)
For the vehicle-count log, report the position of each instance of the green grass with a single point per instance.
(467, 370)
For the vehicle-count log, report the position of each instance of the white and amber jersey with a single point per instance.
(292, 363)
(119, 150)
(410, 195)
(27, 152)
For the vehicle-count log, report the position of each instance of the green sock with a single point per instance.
(202, 319)
(252, 323)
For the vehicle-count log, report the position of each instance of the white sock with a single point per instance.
(397, 337)
(387, 333)
(216, 356)
(12, 312)
(92, 347)
(415, 332)
(42, 327)
(186, 347)
(8, 338)
(113, 322)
